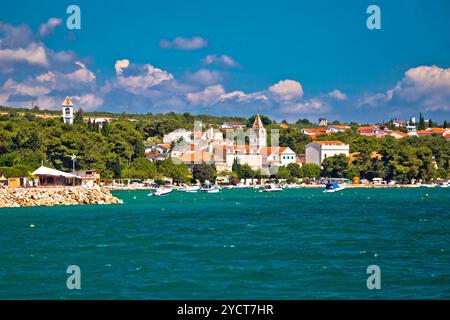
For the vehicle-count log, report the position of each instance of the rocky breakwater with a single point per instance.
(57, 196)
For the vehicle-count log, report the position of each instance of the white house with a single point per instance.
(280, 155)
(176, 135)
(317, 151)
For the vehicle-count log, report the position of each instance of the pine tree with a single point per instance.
(445, 125)
(430, 123)
(89, 126)
(421, 122)
(105, 128)
(78, 117)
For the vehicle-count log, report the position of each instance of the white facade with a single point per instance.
(67, 111)
(318, 151)
(176, 135)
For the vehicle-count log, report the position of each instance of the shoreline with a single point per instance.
(54, 196)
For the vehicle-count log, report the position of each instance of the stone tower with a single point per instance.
(258, 134)
(67, 111)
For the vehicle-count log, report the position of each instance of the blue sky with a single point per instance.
(286, 59)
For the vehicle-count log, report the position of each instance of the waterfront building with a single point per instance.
(317, 151)
(67, 111)
(49, 176)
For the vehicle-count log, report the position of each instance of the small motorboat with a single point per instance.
(333, 187)
(190, 189)
(161, 192)
(210, 189)
(271, 188)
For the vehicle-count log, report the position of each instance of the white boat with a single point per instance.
(190, 189)
(271, 188)
(210, 189)
(161, 192)
(333, 187)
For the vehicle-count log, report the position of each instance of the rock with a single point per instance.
(28, 197)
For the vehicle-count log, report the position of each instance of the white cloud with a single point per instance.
(34, 54)
(121, 65)
(88, 101)
(147, 77)
(337, 94)
(181, 43)
(223, 60)
(81, 75)
(287, 89)
(311, 106)
(424, 88)
(206, 77)
(48, 27)
(208, 96)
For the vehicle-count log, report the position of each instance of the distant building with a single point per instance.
(67, 111)
(317, 151)
(314, 132)
(410, 128)
(258, 134)
(176, 135)
(323, 122)
(232, 125)
(337, 128)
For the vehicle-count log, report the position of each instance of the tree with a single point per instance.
(335, 166)
(105, 128)
(445, 125)
(421, 122)
(303, 121)
(311, 170)
(79, 117)
(283, 173)
(204, 171)
(430, 123)
(264, 119)
(295, 170)
(116, 167)
(246, 172)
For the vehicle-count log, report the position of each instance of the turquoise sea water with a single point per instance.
(239, 244)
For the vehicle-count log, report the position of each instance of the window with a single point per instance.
(67, 111)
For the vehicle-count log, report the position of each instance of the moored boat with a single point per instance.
(161, 192)
(333, 187)
(190, 189)
(272, 187)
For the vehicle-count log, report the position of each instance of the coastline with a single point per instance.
(54, 196)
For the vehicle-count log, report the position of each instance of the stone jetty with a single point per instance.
(55, 196)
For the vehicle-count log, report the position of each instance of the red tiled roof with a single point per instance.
(330, 143)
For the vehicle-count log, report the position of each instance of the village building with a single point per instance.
(323, 122)
(337, 128)
(232, 125)
(317, 151)
(52, 177)
(177, 135)
(67, 111)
